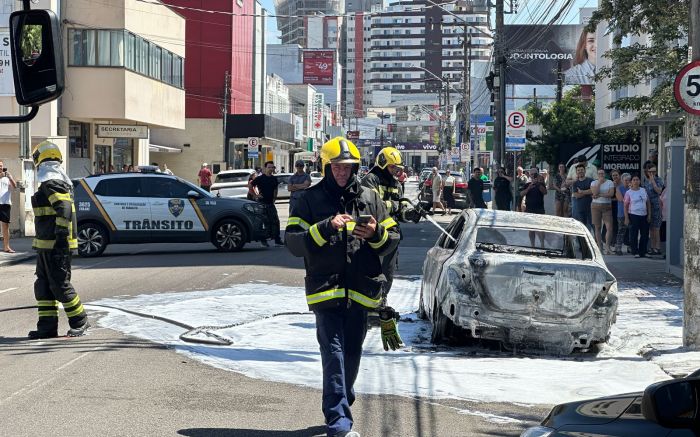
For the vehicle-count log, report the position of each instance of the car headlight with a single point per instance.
(537, 431)
(255, 208)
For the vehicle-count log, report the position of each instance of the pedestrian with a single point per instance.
(637, 217)
(204, 177)
(130, 169)
(297, 182)
(622, 230)
(534, 193)
(581, 190)
(252, 191)
(654, 186)
(602, 191)
(615, 176)
(591, 169)
(282, 171)
(166, 170)
(502, 186)
(342, 230)
(562, 193)
(125, 168)
(111, 168)
(55, 225)
(448, 191)
(436, 187)
(476, 189)
(652, 159)
(382, 180)
(521, 180)
(267, 185)
(7, 184)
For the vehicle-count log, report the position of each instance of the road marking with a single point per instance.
(8, 289)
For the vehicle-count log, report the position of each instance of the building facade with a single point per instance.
(292, 13)
(358, 89)
(276, 96)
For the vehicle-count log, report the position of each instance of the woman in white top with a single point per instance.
(448, 191)
(601, 210)
(637, 216)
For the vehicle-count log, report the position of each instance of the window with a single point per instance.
(155, 55)
(116, 48)
(518, 240)
(77, 54)
(103, 48)
(130, 52)
(79, 139)
(165, 187)
(119, 187)
(142, 56)
(89, 46)
(167, 66)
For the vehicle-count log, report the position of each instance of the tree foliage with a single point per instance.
(571, 121)
(665, 22)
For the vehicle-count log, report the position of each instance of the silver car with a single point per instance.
(232, 183)
(530, 281)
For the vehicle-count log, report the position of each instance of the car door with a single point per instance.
(124, 203)
(175, 217)
(437, 256)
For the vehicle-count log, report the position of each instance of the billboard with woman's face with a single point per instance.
(536, 53)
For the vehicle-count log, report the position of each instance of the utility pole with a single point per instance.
(691, 274)
(500, 97)
(560, 82)
(24, 136)
(467, 99)
(227, 90)
(448, 113)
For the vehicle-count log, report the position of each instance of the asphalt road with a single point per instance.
(109, 384)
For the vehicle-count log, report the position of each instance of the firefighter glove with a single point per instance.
(390, 332)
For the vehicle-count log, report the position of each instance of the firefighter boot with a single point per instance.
(78, 331)
(36, 335)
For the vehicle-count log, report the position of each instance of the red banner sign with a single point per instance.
(318, 67)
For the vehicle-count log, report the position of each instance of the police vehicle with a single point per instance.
(127, 208)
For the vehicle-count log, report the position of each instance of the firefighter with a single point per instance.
(381, 178)
(56, 230)
(341, 230)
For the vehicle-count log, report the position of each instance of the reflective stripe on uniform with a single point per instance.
(392, 190)
(350, 226)
(59, 197)
(298, 221)
(388, 204)
(75, 301)
(43, 211)
(387, 223)
(47, 303)
(323, 296)
(316, 235)
(48, 313)
(75, 312)
(49, 244)
(63, 222)
(364, 300)
(385, 236)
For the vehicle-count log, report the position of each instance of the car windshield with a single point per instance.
(232, 177)
(195, 188)
(532, 242)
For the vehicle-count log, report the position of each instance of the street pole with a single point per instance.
(499, 131)
(467, 99)
(24, 136)
(227, 87)
(448, 113)
(691, 273)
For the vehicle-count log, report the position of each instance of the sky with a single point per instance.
(273, 338)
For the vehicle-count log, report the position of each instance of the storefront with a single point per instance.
(103, 147)
(274, 141)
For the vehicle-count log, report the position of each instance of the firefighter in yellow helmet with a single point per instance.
(342, 230)
(56, 232)
(382, 179)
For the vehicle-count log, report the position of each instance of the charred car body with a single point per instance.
(529, 281)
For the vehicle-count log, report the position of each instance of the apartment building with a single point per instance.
(293, 13)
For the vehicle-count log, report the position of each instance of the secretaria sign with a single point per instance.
(121, 131)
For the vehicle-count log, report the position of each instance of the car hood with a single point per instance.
(590, 412)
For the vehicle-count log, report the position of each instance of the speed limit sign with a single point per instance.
(686, 88)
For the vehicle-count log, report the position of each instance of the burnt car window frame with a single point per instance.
(579, 247)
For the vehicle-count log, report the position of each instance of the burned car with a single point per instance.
(530, 281)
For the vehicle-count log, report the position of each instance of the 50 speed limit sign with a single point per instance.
(686, 88)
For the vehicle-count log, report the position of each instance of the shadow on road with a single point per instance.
(220, 432)
(24, 346)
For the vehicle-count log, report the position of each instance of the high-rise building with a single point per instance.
(412, 36)
(357, 92)
(363, 5)
(291, 14)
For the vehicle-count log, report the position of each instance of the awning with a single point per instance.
(163, 149)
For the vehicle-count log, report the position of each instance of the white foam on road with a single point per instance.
(283, 348)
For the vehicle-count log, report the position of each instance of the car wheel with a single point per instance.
(92, 240)
(422, 314)
(442, 326)
(229, 236)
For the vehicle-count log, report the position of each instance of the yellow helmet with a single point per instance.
(389, 156)
(46, 151)
(339, 151)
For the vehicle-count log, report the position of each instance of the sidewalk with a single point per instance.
(640, 270)
(23, 251)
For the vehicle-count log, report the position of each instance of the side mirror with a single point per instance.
(192, 194)
(37, 56)
(673, 404)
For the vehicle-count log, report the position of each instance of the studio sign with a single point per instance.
(121, 131)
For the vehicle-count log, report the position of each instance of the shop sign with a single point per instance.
(7, 83)
(317, 118)
(121, 131)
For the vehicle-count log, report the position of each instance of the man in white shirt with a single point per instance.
(7, 184)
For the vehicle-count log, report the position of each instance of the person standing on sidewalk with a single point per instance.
(502, 186)
(436, 187)
(297, 182)
(562, 194)
(448, 191)
(7, 184)
(654, 186)
(581, 190)
(622, 232)
(342, 230)
(603, 190)
(637, 217)
(56, 231)
(476, 189)
(267, 185)
(204, 177)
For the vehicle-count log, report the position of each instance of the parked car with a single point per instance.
(462, 196)
(664, 409)
(529, 281)
(316, 177)
(283, 179)
(132, 208)
(232, 183)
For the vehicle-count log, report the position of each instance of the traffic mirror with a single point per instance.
(37, 56)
